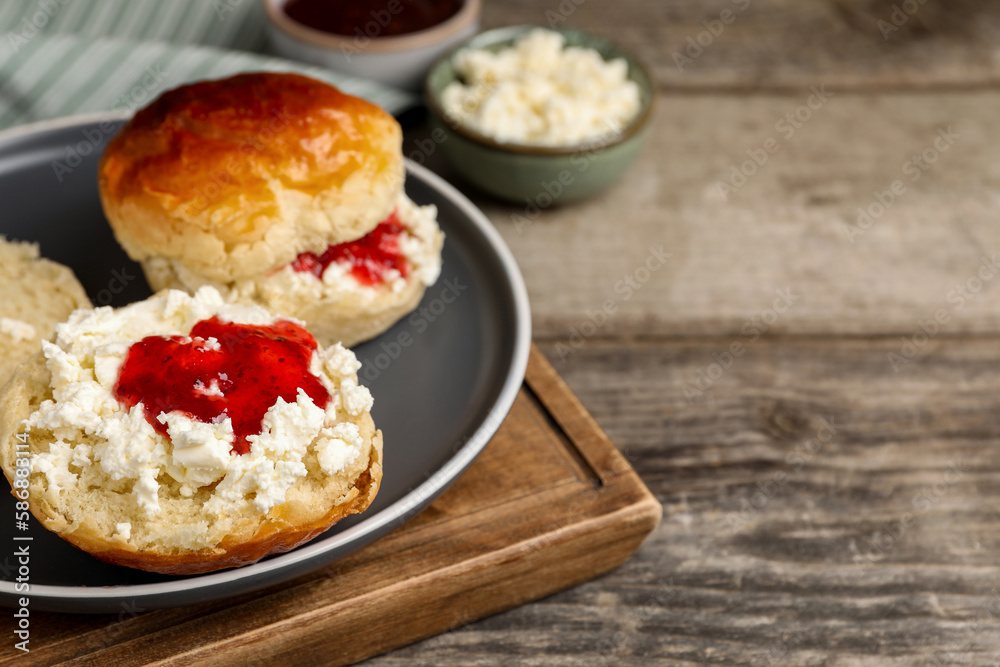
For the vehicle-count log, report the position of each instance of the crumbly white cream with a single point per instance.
(540, 92)
(340, 448)
(123, 531)
(418, 245)
(90, 427)
(18, 330)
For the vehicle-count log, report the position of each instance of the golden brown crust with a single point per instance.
(281, 530)
(275, 536)
(238, 176)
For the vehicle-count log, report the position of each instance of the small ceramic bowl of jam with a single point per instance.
(540, 116)
(390, 41)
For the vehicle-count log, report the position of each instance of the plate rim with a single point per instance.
(398, 512)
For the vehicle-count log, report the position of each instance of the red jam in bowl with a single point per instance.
(371, 257)
(242, 379)
(371, 18)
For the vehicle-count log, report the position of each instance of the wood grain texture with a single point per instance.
(878, 546)
(787, 44)
(793, 225)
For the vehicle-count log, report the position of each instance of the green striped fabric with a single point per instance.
(66, 57)
(230, 24)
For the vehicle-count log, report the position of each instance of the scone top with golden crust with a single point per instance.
(235, 177)
(147, 441)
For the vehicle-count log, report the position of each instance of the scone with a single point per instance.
(352, 291)
(233, 177)
(37, 294)
(245, 184)
(183, 434)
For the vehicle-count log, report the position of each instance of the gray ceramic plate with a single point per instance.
(443, 379)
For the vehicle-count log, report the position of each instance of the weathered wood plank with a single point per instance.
(793, 225)
(782, 44)
(879, 546)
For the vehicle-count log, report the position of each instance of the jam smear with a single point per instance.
(242, 379)
(371, 18)
(371, 257)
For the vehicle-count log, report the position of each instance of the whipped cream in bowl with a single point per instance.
(539, 116)
(539, 91)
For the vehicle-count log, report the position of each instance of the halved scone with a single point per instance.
(351, 292)
(183, 434)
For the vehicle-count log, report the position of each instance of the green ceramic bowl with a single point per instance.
(538, 176)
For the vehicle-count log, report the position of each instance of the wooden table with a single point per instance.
(828, 492)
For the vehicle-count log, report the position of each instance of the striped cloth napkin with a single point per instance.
(67, 57)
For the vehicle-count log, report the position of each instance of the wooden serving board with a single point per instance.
(549, 504)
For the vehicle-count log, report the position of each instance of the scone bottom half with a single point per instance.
(257, 441)
(349, 293)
